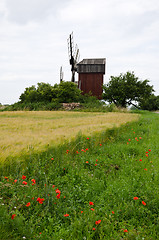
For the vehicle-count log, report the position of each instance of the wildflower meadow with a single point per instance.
(99, 186)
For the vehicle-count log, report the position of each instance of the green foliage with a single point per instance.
(151, 103)
(35, 106)
(105, 169)
(43, 93)
(126, 89)
(47, 97)
(68, 92)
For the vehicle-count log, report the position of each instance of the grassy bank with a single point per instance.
(99, 187)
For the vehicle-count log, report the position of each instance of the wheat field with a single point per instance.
(21, 131)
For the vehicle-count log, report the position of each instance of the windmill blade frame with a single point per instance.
(73, 55)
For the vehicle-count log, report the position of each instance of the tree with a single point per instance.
(150, 104)
(126, 89)
(44, 92)
(29, 95)
(63, 92)
(68, 92)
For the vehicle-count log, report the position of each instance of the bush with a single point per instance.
(36, 106)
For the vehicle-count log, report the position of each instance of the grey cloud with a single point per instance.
(139, 23)
(24, 11)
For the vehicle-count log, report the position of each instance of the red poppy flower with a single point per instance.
(113, 212)
(93, 229)
(86, 149)
(88, 138)
(33, 181)
(58, 196)
(145, 169)
(125, 230)
(81, 211)
(23, 177)
(140, 160)
(15, 180)
(86, 161)
(147, 155)
(6, 177)
(52, 158)
(149, 150)
(77, 152)
(40, 200)
(129, 140)
(100, 144)
(13, 216)
(96, 164)
(28, 204)
(96, 160)
(143, 203)
(57, 191)
(53, 186)
(92, 209)
(91, 203)
(25, 183)
(66, 215)
(97, 222)
(136, 198)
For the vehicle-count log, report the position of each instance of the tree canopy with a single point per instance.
(150, 104)
(126, 89)
(63, 92)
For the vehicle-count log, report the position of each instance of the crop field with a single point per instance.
(22, 131)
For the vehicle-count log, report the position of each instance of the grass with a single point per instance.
(103, 186)
(22, 131)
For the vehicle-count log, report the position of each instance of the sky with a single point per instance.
(34, 33)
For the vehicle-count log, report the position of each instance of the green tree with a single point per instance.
(126, 89)
(45, 92)
(68, 92)
(150, 104)
(63, 92)
(29, 95)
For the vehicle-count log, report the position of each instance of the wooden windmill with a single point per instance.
(73, 56)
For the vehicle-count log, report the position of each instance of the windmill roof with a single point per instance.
(94, 61)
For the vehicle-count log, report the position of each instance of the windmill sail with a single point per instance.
(61, 74)
(73, 56)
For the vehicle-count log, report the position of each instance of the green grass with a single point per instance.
(111, 185)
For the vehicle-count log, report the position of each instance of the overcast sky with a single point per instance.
(34, 33)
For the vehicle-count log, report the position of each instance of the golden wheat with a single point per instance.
(20, 131)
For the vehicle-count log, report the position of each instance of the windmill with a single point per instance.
(73, 56)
